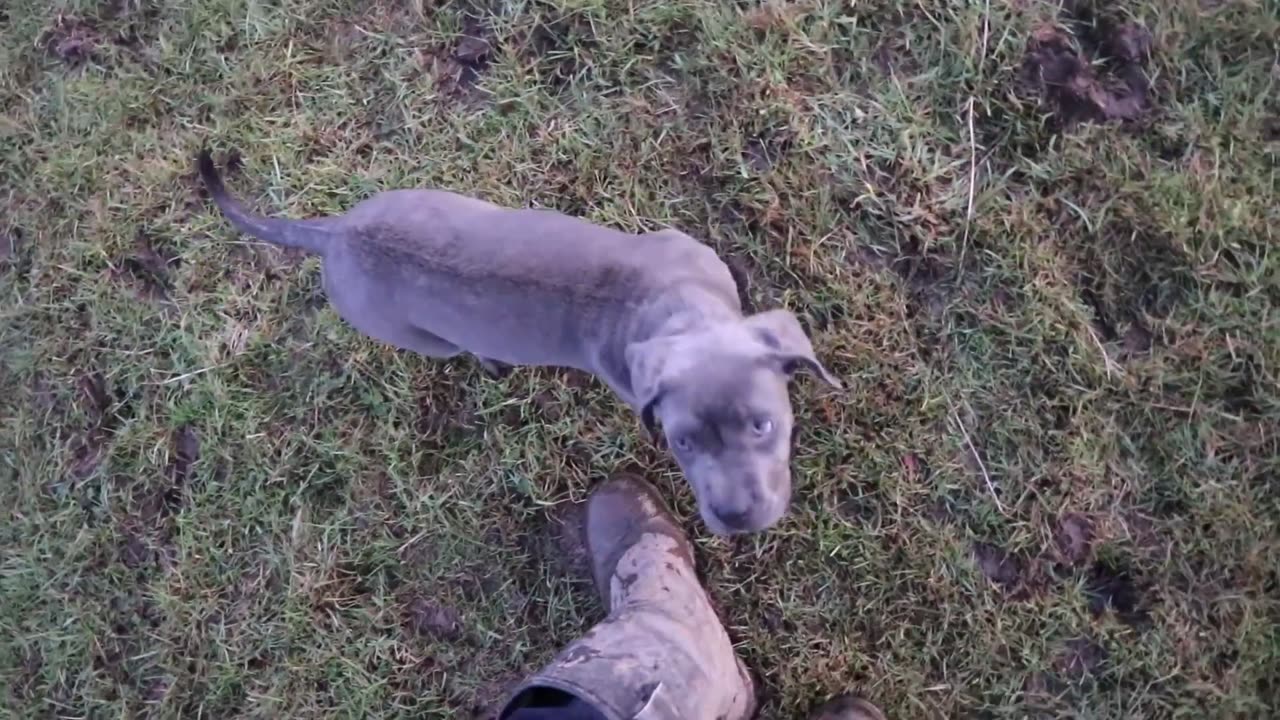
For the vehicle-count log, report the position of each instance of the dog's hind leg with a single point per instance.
(493, 368)
(431, 345)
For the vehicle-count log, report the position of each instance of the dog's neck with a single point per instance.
(683, 309)
(677, 310)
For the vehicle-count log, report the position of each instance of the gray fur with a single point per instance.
(655, 316)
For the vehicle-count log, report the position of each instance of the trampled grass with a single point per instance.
(1036, 239)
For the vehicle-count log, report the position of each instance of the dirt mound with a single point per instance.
(1078, 88)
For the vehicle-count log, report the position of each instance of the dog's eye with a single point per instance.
(762, 426)
(684, 443)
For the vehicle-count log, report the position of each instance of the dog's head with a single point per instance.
(720, 395)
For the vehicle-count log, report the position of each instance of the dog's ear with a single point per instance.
(785, 343)
(648, 362)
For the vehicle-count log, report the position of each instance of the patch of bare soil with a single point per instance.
(1078, 88)
(184, 454)
(566, 523)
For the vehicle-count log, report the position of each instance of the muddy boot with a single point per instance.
(848, 707)
(662, 653)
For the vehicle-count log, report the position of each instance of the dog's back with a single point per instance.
(520, 286)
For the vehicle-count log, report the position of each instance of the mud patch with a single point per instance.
(72, 40)
(1129, 280)
(1075, 89)
(1114, 589)
(1138, 340)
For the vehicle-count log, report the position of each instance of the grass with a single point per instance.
(1050, 489)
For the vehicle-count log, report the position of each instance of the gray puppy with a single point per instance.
(655, 316)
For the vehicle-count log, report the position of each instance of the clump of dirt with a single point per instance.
(557, 542)
(147, 530)
(146, 270)
(1074, 537)
(1138, 339)
(89, 449)
(761, 152)
(1080, 659)
(72, 39)
(562, 47)
(10, 242)
(445, 417)
(458, 71)
(566, 522)
(1076, 89)
(744, 273)
(429, 619)
(999, 566)
(134, 551)
(925, 275)
(185, 453)
(893, 56)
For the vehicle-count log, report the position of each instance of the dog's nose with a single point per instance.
(735, 520)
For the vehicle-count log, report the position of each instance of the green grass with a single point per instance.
(1050, 489)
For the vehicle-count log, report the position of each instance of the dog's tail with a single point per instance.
(314, 236)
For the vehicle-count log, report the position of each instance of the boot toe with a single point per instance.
(618, 512)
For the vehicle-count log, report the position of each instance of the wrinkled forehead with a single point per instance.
(733, 391)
